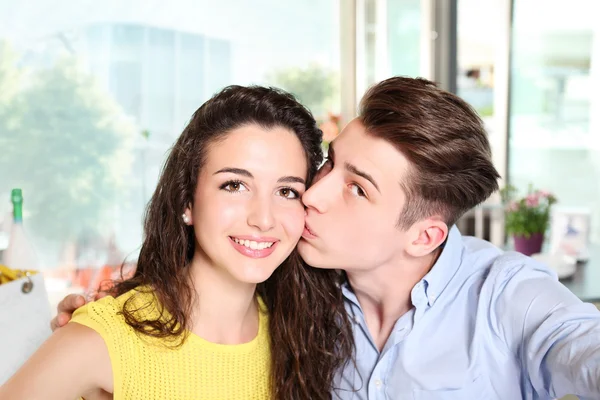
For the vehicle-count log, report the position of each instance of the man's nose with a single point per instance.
(320, 194)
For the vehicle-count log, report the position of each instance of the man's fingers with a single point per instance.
(76, 302)
(71, 303)
(63, 319)
(60, 320)
(54, 324)
(100, 295)
(65, 310)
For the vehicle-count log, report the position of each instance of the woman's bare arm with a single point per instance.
(73, 362)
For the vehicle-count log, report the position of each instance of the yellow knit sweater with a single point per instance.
(144, 368)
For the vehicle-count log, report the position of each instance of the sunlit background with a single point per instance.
(93, 94)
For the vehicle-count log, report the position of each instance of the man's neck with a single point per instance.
(384, 293)
(225, 310)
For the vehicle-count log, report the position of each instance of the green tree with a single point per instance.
(315, 86)
(66, 144)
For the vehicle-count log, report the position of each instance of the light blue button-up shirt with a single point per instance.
(486, 324)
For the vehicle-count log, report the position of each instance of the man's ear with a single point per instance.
(428, 235)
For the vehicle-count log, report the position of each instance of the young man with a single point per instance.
(436, 315)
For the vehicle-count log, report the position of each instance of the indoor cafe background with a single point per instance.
(92, 95)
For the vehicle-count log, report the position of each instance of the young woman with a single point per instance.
(221, 306)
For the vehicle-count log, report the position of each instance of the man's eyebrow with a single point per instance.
(354, 170)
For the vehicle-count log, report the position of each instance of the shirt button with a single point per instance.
(378, 383)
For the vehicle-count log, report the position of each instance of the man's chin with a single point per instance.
(312, 255)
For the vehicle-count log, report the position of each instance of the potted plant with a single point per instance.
(527, 217)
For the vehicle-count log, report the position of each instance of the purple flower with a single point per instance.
(513, 206)
(532, 200)
(544, 194)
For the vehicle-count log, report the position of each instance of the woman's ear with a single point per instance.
(187, 216)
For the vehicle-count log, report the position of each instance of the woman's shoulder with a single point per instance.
(107, 315)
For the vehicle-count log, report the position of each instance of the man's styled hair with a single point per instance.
(451, 169)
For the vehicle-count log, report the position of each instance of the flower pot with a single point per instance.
(529, 245)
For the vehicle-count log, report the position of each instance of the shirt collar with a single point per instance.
(437, 278)
(445, 267)
(349, 293)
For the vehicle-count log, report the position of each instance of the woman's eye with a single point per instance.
(234, 187)
(288, 193)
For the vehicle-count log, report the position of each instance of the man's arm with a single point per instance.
(73, 362)
(554, 334)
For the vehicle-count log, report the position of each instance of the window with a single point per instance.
(92, 96)
(476, 55)
(554, 140)
(389, 40)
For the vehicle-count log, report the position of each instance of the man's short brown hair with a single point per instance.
(444, 140)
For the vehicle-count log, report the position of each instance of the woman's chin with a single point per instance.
(254, 275)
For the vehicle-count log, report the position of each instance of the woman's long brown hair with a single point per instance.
(310, 332)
